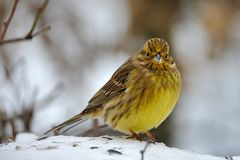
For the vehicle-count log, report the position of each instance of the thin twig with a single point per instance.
(43, 29)
(8, 20)
(37, 17)
(229, 158)
(31, 33)
(26, 37)
(144, 150)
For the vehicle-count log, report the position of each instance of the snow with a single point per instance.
(91, 148)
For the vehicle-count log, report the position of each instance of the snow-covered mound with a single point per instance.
(92, 148)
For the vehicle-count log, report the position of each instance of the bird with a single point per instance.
(139, 96)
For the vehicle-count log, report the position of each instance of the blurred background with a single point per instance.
(51, 78)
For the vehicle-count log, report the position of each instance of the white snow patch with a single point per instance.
(25, 138)
(91, 148)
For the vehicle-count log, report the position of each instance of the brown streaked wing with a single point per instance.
(115, 86)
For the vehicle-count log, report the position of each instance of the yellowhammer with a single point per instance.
(140, 94)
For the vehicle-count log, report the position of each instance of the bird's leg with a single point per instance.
(135, 135)
(151, 137)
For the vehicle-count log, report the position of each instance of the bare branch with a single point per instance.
(31, 33)
(8, 20)
(43, 29)
(229, 158)
(27, 37)
(144, 150)
(37, 17)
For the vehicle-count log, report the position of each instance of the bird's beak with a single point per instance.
(158, 58)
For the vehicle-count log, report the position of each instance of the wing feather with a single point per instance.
(115, 86)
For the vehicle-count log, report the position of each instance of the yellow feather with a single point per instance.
(148, 101)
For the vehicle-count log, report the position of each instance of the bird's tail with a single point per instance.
(89, 113)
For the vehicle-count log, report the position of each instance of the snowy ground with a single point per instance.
(91, 148)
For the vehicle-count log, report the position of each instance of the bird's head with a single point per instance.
(155, 55)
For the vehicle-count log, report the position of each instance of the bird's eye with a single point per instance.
(147, 54)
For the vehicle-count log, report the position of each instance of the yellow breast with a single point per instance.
(146, 103)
